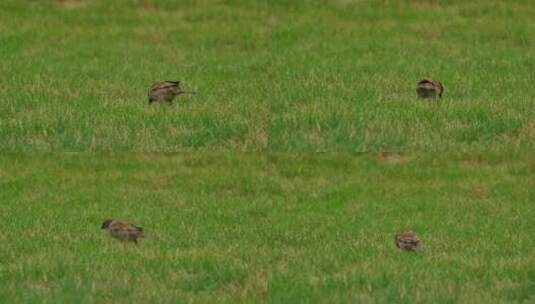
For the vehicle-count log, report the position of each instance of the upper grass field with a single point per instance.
(274, 228)
(272, 75)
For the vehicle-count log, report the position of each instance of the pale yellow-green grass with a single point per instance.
(269, 75)
(275, 228)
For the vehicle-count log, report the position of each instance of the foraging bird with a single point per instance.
(165, 91)
(429, 88)
(122, 231)
(407, 240)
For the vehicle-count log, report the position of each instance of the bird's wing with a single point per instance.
(116, 230)
(117, 226)
(164, 85)
(412, 241)
(430, 81)
(133, 230)
(425, 80)
(408, 236)
(176, 82)
(126, 232)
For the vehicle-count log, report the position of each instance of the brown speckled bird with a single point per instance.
(122, 231)
(407, 240)
(165, 91)
(429, 88)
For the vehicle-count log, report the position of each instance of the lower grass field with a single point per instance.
(277, 228)
(276, 75)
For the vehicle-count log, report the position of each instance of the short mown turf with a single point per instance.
(232, 228)
(269, 75)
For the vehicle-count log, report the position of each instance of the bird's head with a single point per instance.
(106, 224)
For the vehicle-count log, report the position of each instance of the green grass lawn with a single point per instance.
(233, 217)
(270, 75)
(233, 228)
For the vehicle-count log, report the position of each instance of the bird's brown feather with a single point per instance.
(407, 240)
(123, 231)
(428, 88)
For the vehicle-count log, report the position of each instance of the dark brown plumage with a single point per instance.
(165, 91)
(122, 231)
(429, 88)
(407, 240)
